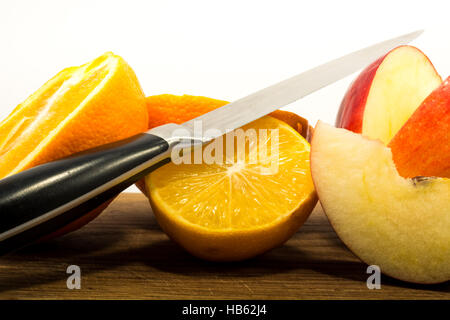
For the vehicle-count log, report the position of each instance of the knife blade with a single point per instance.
(55, 195)
(260, 103)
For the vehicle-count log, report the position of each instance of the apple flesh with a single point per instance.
(422, 146)
(387, 92)
(401, 225)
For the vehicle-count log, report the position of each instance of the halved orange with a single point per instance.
(169, 108)
(80, 108)
(233, 211)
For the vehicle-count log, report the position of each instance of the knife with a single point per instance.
(43, 199)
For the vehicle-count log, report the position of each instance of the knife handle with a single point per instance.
(43, 199)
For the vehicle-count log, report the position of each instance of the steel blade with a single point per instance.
(260, 103)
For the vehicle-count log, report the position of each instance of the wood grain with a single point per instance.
(124, 255)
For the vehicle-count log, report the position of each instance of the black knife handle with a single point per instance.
(43, 199)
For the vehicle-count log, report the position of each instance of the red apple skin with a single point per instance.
(351, 111)
(422, 146)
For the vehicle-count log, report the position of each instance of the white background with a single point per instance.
(221, 49)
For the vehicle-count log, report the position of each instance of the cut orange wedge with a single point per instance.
(236, 210)
(80, 108)
(170, 108)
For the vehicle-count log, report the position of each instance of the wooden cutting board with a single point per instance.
(124, 255)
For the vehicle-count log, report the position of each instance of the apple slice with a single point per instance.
(387, 93)
(422, 146)
(401, 225)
